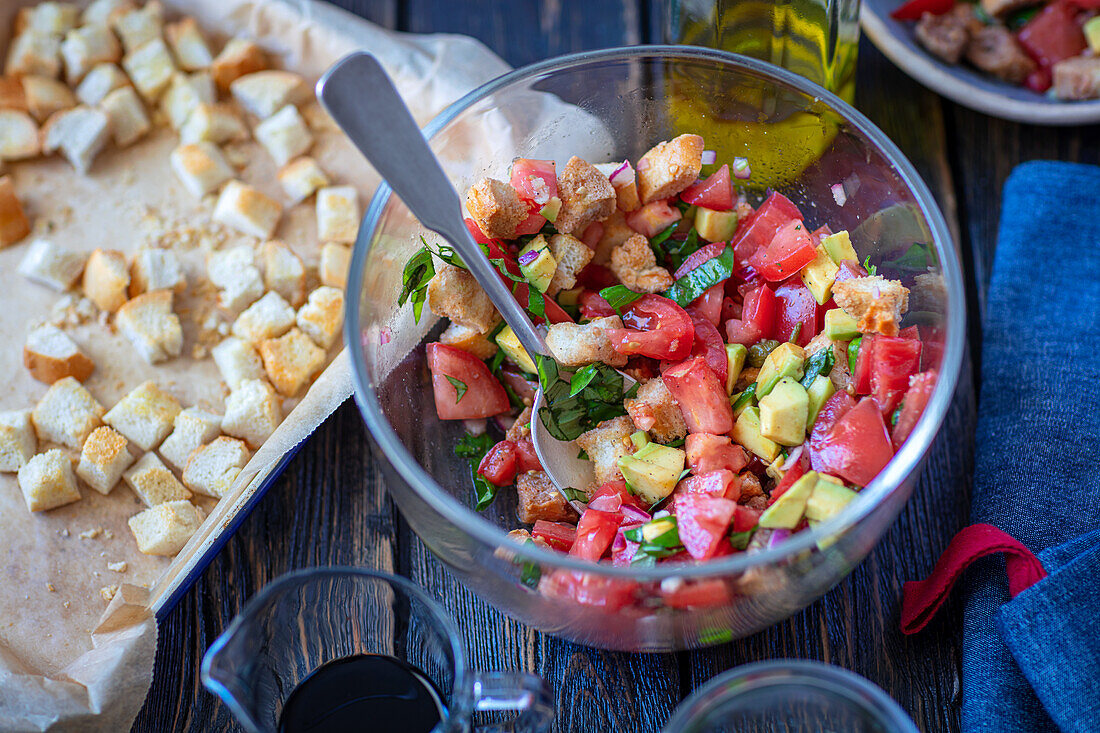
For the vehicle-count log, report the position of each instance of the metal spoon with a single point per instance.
(361, 99)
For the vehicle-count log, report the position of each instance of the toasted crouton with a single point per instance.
(129, 121)
(100, 12)
(103, 79)
(496, 207)
(216, 123)
(79, 133)
(323, 316)
(237, 58)
(49, 355)
(48, 481)
(107, 279)
(156, 269)
(467, 339)
(13, 222)
(154, 483)
(669, 167)
(86, 47)
(605, 444)
(67, 414)
(34, 52)
(283, 271)
(572, 256)
(655, 411)
(17, 441)
(454, 293)
(634, 263)
(201, 167)
(237, 361)
(337, 214)
(538, 499)
(18, 135)
(877, 303)
(148, 322)
(165, 528)
(212, 469)
(47, 264)
(46, 95)
(150, 67)
(12, 95)
(247, 210)
(1077, 77)
(615, 232)
(301, 178)
(137, 26)
(263, 93)
(284, 135)
(577, 345)
(334, 264)
(252, 412)
(192, 429)
(145, 416)
(586, 197)
(269, 317)
(234, 272)
(188, 45)
(48, 17)
(291, 360)
(183, 96)
(103, 459)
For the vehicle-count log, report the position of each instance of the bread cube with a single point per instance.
(457, 335)
(263, 93)
(212, 469)
(49, 355)
(301, 178)
(103, 459)
(156, 269)
(334, 264)
(669, 167)
(47, 264)
(216, 123)
(539, 499)
(283, 271)
(17, 441)
(192, 429)
(86, 47)
(145, 416)
(129, 122)
(154, 483)
(605, 444)
(291, 360)
(234, 272)
(571, 255)
(79, 133)
(269, 317)
(184, 95)
(165, 528)
(237, 360)
(48, 17)
(252, 412)
(247, 210)
(575, 344)
(48, 481)
(45, 95)
(150, 67)
(238, 57)
(656, 411)
(201, 167)
(148, 322)
(137, 26)
(634, 263)
(18, 135)
(284, 134)
(337, 214)
(323, 316)
(877, 303)
(34, 52)
(67, 414)
(454, 293)
(100, 12)
(103, 79)
(12, 96)
(13, 222)
(106, 279)
(587, 196)
(188, 45)
(495, 207)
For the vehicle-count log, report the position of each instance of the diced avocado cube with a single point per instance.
(820, 275)
(821, 389)
(639, 439)
(787, 510)
(742, 400)
(827, 500)
(746, 431)
(787, 360)
(784, 411)
(1092, 34)
(715, 226)
(830, 479)
(654, 529)
(569, 297)
(735, 362)
(653, 471)
(839, 326)
(539, 271)
(839, 246)
(513, 349)
(551, 209)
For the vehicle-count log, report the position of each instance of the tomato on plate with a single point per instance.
(758, 316)
(916, 399)
(708, 344)
(558, 535)
(697, 593)
(593, 305)
(858, 445)
(498, 466)
(791, 249)
(589, 589)
(893, 362)
(709, 304)
(703, 522)
(795, 305)
(655, 327)
(1053, 35)
(714, 192)
(861, 375)
(758, 229)
(698, 257)
(706, 453)
(795, 472)
(526, 458)
(701, 397)
(595, 531)
(745, 518)
(484, 395)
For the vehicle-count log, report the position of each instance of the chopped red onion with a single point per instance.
(631, 512)
(528, 257)
(839, 196)
(792, 458)
(385, 335)
(741, 168)
(619, 172)
(475, 427)
(778, 536)
(710, 157)
(504, 422)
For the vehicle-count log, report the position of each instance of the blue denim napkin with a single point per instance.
(1033, 663)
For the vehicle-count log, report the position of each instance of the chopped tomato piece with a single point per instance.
(554, 312)
(791, 249)
(709, 304)
(613, 496)
(596, 277)
(910, 332)
(526, 458)
(703, 522)
(861, 377)
(622, 549)
(592, 234)
(1053, 35)
(722, 483)
(595, 531)
(796, 305)
(653, 218)
(709, 345)
(758, 229)
(795, 472)
(477, 234)
(849, 270)
(714, 192)
(858, 446)
(698, 257)
(524, 388)
(593, 305)
(484, 396)
(916, 399)
(745, 518)
(655, 327)
(697, 593)
(590, 589)
(758, 315)
(834, 408)
(498, 466)
(558, 535)
(531, 225)
(893, 362)
(706, 453)
(701, 397)
(536, 181)
(914, 9)
(731, 309)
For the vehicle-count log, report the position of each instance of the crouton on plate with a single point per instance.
(154, 483)
(323, 316)
(107, 279)
(148, 322)
(103, 459)
(17, 439)
(165, 528)
(67, 414)
(50, 354)
(212, 469)
(145, 415)
(47, 481)
(576, 345)
(252, 412)
(191, 429)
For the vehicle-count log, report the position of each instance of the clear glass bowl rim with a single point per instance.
(888, 480)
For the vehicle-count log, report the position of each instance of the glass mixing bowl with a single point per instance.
(607, 106)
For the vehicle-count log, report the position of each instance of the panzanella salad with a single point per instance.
(773, 378)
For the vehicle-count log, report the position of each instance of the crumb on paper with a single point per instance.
(72, 310)
(108, 534)
(91, 534)
(66, 604)
(64, 532)
(50, 588)
(118, 567)
(108, 592)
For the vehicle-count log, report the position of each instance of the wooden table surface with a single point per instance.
(329, 508)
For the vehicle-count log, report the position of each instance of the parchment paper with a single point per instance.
(68, 660)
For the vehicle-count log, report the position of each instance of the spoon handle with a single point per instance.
(361, 98)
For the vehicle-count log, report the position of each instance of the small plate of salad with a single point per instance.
(1034, 61)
